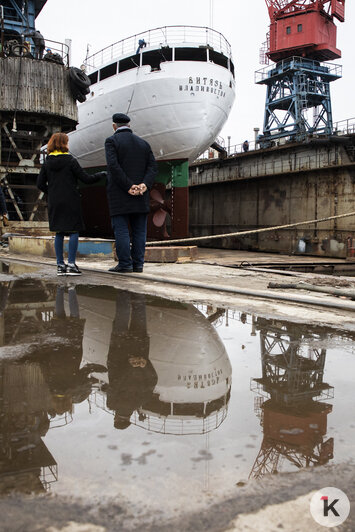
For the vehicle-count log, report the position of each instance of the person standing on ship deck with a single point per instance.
(131, 171)
(38, 41)
(58, 178)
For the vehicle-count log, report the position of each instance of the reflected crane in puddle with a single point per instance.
(290, 398)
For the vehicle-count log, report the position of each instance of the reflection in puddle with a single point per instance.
(166, 365)
(290, 391)
(83, 370)
(16, 268)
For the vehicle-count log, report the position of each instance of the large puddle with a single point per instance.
(106, 392)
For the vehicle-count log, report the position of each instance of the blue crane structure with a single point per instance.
(301, 36)
(20, 15)
(17, 25)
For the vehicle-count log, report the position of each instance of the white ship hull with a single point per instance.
(190, 359)
(179, 108)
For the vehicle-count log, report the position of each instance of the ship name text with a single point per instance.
(199, 84)
(201, 381)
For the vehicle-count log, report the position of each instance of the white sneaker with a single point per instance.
(72, 269)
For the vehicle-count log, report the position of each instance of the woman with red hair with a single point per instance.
(59, 178)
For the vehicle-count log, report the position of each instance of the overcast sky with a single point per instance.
(243, 22)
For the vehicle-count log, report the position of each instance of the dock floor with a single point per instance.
(216, 278)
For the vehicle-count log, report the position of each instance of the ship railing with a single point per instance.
(179, 426)
(230, 150)
(169, 424)
(49, 474)
(58, 48)
(163, 36)
(343, 127)
(61, 420)
(55, 51)
(324, 69)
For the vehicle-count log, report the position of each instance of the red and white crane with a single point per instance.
(302, 34)
(304, 28)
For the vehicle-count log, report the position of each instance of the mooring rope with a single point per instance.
(249, 232)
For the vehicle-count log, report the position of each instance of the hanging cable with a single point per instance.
(250, 232)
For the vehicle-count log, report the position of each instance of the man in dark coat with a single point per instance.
(131, 170)
(132, 377)
(38, 41)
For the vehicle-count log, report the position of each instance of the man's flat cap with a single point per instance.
(120, 118)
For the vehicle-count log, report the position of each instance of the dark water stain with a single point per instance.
(204, 455)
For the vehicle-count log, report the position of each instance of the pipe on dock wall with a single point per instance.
(263, 294)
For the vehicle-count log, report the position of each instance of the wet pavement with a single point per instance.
(160, 405)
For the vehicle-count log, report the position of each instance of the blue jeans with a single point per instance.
(73, 247)
(73, 303)
(128, 257)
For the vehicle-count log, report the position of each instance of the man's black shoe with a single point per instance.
(118, 269)
(138, 270)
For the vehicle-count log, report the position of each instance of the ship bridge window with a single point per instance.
(129, 62)
(155, 405)
(108, 71)
(231, 67)
(217, 404)
(190, 54)
(93, 77)
(155, 57)
(218, 59)
(188, 409)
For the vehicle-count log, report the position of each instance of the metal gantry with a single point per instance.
(302, 34)
(293, 418)
(296, 86)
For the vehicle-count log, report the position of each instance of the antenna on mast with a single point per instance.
(211, 14)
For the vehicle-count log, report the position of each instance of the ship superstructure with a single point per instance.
(177, 84)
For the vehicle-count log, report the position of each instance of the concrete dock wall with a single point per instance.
(278, 186)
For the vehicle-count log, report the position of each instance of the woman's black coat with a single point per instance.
(59, 179)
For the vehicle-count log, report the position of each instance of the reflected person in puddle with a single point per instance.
(132, 377)
(61, 355)
(67, 381)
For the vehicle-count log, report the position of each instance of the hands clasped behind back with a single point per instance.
(137, 190)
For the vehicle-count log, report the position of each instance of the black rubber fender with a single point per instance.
(79, 78)
(78, 93)
(80, 97)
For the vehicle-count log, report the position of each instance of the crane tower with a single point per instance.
(290, 397)
(302, 35)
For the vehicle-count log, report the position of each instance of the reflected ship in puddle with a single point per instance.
(153, 363)
(290, 394)
(168, 370)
